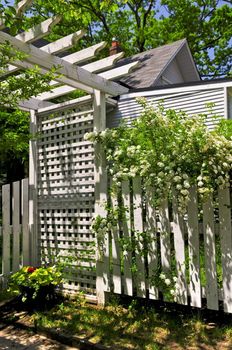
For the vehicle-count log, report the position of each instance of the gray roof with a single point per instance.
(151, 65)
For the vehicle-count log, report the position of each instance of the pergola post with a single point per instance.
(102, 258)
(33, 234)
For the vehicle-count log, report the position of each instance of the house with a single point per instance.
(168, 75)
(165, 65)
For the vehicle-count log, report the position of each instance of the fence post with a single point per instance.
(25, 226)
(16, 226)
(100, 178)
(6, 231)
(33, 191)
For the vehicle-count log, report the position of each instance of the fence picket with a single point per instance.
(210, 255)
(25, 221)
(126, 228)
(193, 248)
(226, 246)
(152, 257)
(165, 244)
(116, 261)
(179, 245)
(6, 229)
(138, 227)
(16, 226)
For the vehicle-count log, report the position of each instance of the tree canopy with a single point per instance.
(140, 25)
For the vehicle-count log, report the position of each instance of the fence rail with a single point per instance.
(14, 232)
(195, 248)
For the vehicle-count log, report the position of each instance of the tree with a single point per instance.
(143, 24)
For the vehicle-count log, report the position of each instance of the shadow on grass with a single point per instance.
(140, 325)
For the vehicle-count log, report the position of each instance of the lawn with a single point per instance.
(129, 324)
(134, 325)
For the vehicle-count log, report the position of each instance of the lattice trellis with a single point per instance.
(66, 192)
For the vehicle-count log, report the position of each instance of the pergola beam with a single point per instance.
(71, 75)
(98, 66)
(115, 73)
(34, 103)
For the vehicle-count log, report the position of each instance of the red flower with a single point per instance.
(31, 269)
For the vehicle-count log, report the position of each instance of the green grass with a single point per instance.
(137, 327)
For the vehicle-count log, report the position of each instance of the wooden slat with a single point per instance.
(104, 63)
(64, 43)
(119, 72)
(85, 54)
(210, 255)
(116, 261)
(16, 226)
(6, 229)
(39, 31)
(70, 75)
(179, 245)
(226, 245)
(138, 228)
(151, 230)
(25, 225)
(165, 244)
(193, 248)
(126, 229)
(22, 6)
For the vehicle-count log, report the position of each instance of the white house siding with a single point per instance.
(230, 103)
(190, 101)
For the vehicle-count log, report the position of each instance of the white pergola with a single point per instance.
(97, 75)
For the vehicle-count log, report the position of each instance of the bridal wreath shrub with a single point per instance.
(169, 150)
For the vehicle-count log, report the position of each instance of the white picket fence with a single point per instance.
(196, 248)
(14, 233)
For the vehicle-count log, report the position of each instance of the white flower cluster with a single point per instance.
(170, 283)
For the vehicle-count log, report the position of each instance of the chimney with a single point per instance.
(115, 47)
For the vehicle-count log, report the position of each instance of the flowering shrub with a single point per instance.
(33, 278)
(170, 151)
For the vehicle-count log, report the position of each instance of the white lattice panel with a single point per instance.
(66, 192)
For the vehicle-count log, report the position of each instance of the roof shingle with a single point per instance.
(151, 65)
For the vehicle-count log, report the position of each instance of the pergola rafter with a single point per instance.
(19, 9)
